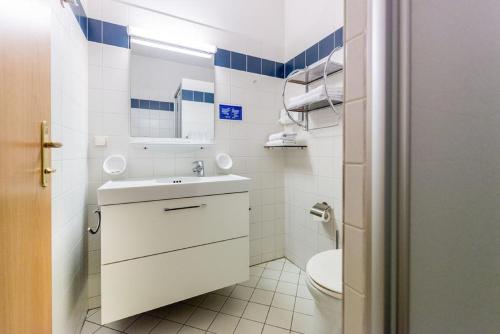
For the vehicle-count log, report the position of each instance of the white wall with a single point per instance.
(251, 27)
(260, 97)
(314, 174)
(455, 179)
(69, 184)
(260, 20)
(307, 22)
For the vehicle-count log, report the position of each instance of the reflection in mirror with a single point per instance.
(172, 93)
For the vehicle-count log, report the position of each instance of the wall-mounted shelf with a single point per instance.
(315, 72)
(270, 147)
(315, 106)
(322, 69)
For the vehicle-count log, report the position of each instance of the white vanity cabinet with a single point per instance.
(158, 252)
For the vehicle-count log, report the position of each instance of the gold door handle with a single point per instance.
(52, 144)
(49, 170)
(45, 145)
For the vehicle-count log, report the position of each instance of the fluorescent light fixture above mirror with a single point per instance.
(161, 41)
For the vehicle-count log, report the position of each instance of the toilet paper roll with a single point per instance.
(324, 218)
(320, 212)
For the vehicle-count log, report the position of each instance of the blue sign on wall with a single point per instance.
(234, 113)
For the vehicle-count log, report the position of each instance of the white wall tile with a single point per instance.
(355, 12)
(69, 74)
(356, 262)
(354, 196)
(355, 131)
(355, 311)
(355, 78)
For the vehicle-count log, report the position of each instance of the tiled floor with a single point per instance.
(274, 300)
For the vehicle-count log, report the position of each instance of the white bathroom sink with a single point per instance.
(185, 179)
(129, 191)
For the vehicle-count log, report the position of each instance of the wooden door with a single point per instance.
(25, 219)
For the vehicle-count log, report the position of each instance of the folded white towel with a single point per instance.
(281, 142)
(315, 95)
(283, 135)
(284, 119)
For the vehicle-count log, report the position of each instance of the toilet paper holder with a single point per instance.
(321, 210)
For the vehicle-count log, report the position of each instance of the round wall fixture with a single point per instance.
(115, 164)
(224, 161)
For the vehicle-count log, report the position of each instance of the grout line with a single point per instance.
(159, 322)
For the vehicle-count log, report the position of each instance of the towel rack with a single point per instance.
(307, 76)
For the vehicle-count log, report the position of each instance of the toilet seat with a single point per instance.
(324, 271)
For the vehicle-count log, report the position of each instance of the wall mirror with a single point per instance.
(172, 92)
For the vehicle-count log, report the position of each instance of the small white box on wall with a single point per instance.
(100, 140)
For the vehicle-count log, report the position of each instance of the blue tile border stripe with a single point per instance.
(197, 96)
(248, 63)
(316, 51)
(117, 35)
(151, 105)
(100, 31)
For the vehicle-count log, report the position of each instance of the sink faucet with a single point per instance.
(199, 168)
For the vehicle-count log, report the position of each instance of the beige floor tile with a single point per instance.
(276, 265)
(279, 318)
(89, 328)
(262, 297)
(143, 325)
(256, 312)
(234, 307)
(223, 324)
(256, 271)
(283, 301)
(195, 301)
(180, 313)
(242, 292)
(286, 288)
(303, 278)
(225, 291)
(93, 311)
(166, 327)
(267, 284)
(190, 330)
(274, 330)
(271, 273)
(95, 317)
(305, 306)
(162, 311)
(289, 277)
(201, 319)
(301, 323)
(105, 330)
(303, 292)
(291, 268)
(252, 282)
(214, 302)
(121, 324)
(246, 326)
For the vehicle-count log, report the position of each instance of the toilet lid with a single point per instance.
(325, 269)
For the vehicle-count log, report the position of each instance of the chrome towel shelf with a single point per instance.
(317, 71)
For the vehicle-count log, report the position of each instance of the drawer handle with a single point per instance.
(185, 207)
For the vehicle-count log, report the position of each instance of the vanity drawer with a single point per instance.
(140, 285)
(139, 229)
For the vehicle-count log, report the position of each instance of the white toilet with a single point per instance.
(324, 281)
